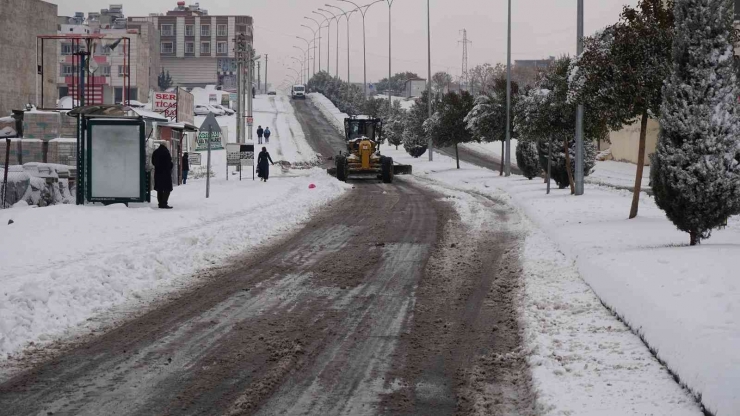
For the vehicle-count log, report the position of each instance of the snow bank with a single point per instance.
(492, 149)
(78, 262)
(329, 110)
(583, 359)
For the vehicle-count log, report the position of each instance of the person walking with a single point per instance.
(260, 131)
(267, 134)
(254, 92)
(185, 167)
(162, 161)
(263, 168)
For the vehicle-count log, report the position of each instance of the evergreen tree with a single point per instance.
(527, 158)
(415, 140)
(447, 127)
(621, 72)
(695, 172)
(546, 114)
(164, 80)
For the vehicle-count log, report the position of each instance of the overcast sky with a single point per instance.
(540, 28)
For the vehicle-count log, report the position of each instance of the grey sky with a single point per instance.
(540, 28)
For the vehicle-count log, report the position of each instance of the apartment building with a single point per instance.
(196, 48)
(112, 62)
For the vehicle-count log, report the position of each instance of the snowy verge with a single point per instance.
(584, 361)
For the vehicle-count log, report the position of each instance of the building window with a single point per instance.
(168, 30)
(241, 29)
(205, 47)
(63, 92)
(189, 30)
(104, 50)
(105, 71)
(205, 30)
(167, 47)
(190, 47)
(222, 48)
(222, 30)
(122, 70)
(67, 49)
(68, 70)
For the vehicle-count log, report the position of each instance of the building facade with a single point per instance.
(112, 61)
(198, 49)
(20, 79)
(415, 87)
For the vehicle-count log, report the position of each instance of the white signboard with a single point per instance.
(239, 154)
(194, 159)
(166, 103)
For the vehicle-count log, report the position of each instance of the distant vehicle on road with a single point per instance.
(272, 93)
(298, 91)
(227, 110)
(203, 110)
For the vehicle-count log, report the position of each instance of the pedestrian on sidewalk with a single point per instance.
(267, 135)
(254, 92)
(263, 168)
(162, 161)
(185, 167)
(260, 131)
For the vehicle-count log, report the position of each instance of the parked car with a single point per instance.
(272, 93)
(227, 110)
(203, 110)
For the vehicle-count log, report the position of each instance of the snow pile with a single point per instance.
(619, 175)
(682, 300)
(78, 262)
(329, 110)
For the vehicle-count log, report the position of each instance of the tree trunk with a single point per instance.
(457, 156)
(567, 167)
(694, 236)
(503, 149)
(640, 166)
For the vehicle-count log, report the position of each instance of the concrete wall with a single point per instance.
(625, 143)
(20, 22)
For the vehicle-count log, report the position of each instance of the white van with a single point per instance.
(298, 91)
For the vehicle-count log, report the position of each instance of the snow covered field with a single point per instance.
(65, 266)
(684, 301)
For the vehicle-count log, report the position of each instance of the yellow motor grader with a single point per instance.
(363, 159)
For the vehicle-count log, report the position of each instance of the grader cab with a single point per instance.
(363, 159)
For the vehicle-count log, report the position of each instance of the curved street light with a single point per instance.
(305, 52)
(346, 15)
(335, 17)
(326, 21)
(319, 36)
(364, 50)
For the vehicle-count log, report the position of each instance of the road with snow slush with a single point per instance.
(384, 303)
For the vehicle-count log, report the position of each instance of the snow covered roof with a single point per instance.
(150, 114)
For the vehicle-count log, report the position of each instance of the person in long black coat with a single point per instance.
(162, 161)
(263, 166)
(185, 167)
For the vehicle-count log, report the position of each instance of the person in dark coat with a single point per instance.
(267, 134)
(185, 167)
(260, 131)
(162, 161)
(263, 168)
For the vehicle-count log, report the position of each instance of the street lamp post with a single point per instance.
(301, 63)
(306, 52)
(319, 44)
(327, 20)
(430, 144)
(507, 148)
(364, 48)
(336, 67)
(390, 5)
(579, 114)
(346, 16)
(314, 41)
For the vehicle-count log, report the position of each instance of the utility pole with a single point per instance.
(390, 99)
(259, 75)
(507, 149)
(464, 74)
(579, 114)
(266, 73)
(430, 146)
(241, 55)
(250, 78)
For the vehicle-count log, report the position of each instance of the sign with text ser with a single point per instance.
(166, 103)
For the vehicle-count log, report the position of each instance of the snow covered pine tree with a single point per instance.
(695, 172)
(527, 158)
